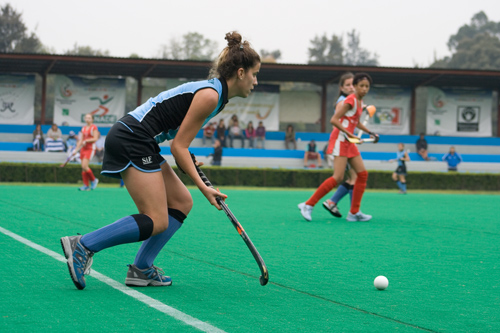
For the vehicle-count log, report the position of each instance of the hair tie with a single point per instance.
(241, 46)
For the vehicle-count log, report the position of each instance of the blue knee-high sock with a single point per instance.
(151, 248)
(404, 186)
(341, 192)
(400, 185)
(130, 229)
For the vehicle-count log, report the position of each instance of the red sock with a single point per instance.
(85, 178)
(321, 191)
(357, 192)
(91, 175)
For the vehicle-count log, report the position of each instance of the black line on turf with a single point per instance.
(54, 217)
(305, 293)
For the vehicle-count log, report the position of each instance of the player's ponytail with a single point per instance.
(237, 54)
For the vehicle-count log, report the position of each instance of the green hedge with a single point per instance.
(260, 177)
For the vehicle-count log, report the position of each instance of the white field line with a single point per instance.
(168, 310)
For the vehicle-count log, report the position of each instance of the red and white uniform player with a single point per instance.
(88, 149)
(338, 145)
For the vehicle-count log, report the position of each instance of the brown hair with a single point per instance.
(342, 80)
(237, 54)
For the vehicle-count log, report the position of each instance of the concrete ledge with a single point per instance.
(264, 162)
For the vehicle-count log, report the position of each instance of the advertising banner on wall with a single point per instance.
(459, 112)
(393, 109)
(17, 99)
(263, 104)
(76, 96)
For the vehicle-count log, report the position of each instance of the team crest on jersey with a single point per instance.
(147, 160)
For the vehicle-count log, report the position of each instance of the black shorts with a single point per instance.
(401, 170)
(128, 144)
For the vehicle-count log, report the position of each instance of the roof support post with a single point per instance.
(413, 110)
(323, 106)
(44, 90)
(44, 98)
(498, 113)
(139, 90)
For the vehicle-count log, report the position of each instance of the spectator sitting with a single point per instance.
(221, 133)
(208, 132)
(260, 133)
(250, 133)
(217, 154)
(422, 147)
(453, 159)
(236, 132)
(233, 119)
(71, 142)
(54, 140)
(290, 137)
(311, 154)
(38, 140)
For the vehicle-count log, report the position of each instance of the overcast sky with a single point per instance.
(403, 33)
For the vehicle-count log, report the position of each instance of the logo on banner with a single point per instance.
(103, 117)
(438, 99)
(468, 118)
(7, 106)
(66, 87)
(7, 110)
(387, 116)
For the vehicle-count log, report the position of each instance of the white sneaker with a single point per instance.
(358, 217)
(305, 210)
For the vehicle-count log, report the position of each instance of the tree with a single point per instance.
(86, 51)
(474, 46)
(192, 46)
(357, 56)
(270, 56)
(326, 51)
(332, 51)
(13, 35)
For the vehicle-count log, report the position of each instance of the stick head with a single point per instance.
(371, 110)
(353, 140)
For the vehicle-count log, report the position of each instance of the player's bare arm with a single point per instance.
(204, 102)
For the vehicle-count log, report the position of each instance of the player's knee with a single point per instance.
(362, 176)
(160, 220)
(183, 203)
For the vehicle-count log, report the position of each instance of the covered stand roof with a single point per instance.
(317, 74)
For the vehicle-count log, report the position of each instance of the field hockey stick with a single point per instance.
(358, 140)
(69, 158)
(264, 278)
(370, 109)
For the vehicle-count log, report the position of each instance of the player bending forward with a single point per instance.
(132, 153)
(346, 119)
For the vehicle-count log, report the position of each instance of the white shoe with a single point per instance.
(305, 210)
(358, 217)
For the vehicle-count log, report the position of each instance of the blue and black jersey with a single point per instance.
(400, 158)
(162, 115)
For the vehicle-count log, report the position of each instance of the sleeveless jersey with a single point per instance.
(162, 115)
(401, 154)
(88, 133)
(349, 121)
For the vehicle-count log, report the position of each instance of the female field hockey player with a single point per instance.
(345, 89)
(346, 119)
(132, 153)
(399, 176)
(88, 137)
